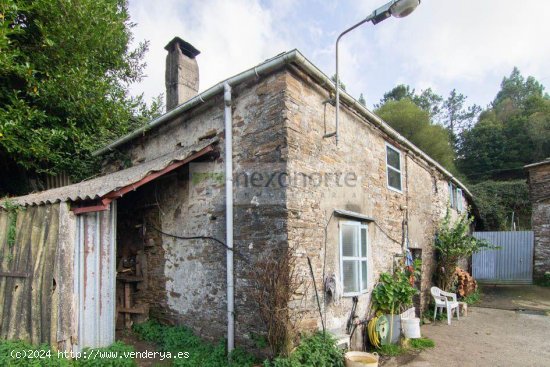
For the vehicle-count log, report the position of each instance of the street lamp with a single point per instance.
(396, 8)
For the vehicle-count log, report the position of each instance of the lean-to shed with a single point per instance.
(57, 269)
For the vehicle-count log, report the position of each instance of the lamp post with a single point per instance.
(396, 8)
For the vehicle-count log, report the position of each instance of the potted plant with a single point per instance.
(392, 295)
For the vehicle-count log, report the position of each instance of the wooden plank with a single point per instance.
(15, 321)
(38, 235)
(140, 309)
(3, 250)
(64, 273)
(50, 246)
(14, 274)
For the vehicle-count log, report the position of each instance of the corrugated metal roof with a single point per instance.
(98, 187)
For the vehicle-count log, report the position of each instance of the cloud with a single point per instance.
(468, 44)
(231, 35)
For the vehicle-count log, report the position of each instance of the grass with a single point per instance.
(473, 298)
(391, 350)
(422, 343)
(394, 350)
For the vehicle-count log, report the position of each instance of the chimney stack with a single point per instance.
(182, 72)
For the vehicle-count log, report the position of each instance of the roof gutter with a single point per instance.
(266, 67)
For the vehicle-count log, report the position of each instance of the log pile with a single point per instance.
(465, 283)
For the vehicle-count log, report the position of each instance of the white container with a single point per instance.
(411, 328)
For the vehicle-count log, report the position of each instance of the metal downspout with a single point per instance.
(229, 215)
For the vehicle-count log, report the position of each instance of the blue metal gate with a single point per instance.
(511, 264)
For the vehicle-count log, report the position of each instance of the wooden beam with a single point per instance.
(14, 274)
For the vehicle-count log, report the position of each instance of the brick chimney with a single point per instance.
(182, 72)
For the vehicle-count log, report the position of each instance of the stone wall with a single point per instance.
(278, 125)
(191, 202)
(539, 189)
(361, 153)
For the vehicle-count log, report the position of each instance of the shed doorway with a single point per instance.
(140, 283)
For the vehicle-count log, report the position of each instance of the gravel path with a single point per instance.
(487, 337)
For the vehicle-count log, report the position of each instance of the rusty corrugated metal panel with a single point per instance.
(96, 188)
(95, 278)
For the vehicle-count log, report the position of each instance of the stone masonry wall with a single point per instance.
(539, 188)
(192, 202)
(361, 153)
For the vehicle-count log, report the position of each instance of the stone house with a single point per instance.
(151, 235)
(539, 192)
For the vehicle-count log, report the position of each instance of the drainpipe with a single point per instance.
(229, 215)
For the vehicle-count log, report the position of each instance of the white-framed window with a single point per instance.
(353, 257)
(393, 168)
(459, 199)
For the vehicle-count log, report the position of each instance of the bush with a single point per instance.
(176, 339)
(317, 350)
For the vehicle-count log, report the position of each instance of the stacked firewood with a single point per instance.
(465, 283)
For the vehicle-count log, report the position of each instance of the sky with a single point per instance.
(469, 45)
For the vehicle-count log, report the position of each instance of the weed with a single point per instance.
(472, 298)
(176, 339)
(317, 350)
(422, 343)
(391, 350)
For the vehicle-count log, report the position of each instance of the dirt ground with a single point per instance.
(516, 297)
(491, 336)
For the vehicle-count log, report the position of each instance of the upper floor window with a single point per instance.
(459, 199)
(353, 257)
(452, 195)
(393, 167)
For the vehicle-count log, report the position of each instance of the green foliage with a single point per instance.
(472, 298)
(176, 339)
(514, 131)
(422, 343)
(317, 350)
(393, 292)
(45, 357)
(414, 123)
(117, 349)
(454, 242)
(497, 200)
(65, 68)
(391, 350)
(13, 210)
(546, 279)
(10, 349)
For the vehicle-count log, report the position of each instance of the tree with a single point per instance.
(457, 116)
(414, 123)
(342, 85)
(65, 68)
(454, 242)
(512, 132)
(362, 100)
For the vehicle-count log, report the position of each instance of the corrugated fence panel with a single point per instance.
(511, 264)
(95, 283)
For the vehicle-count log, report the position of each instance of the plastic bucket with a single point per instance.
(411, 328)
(361, 359)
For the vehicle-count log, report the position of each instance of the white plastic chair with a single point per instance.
(445, 300)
